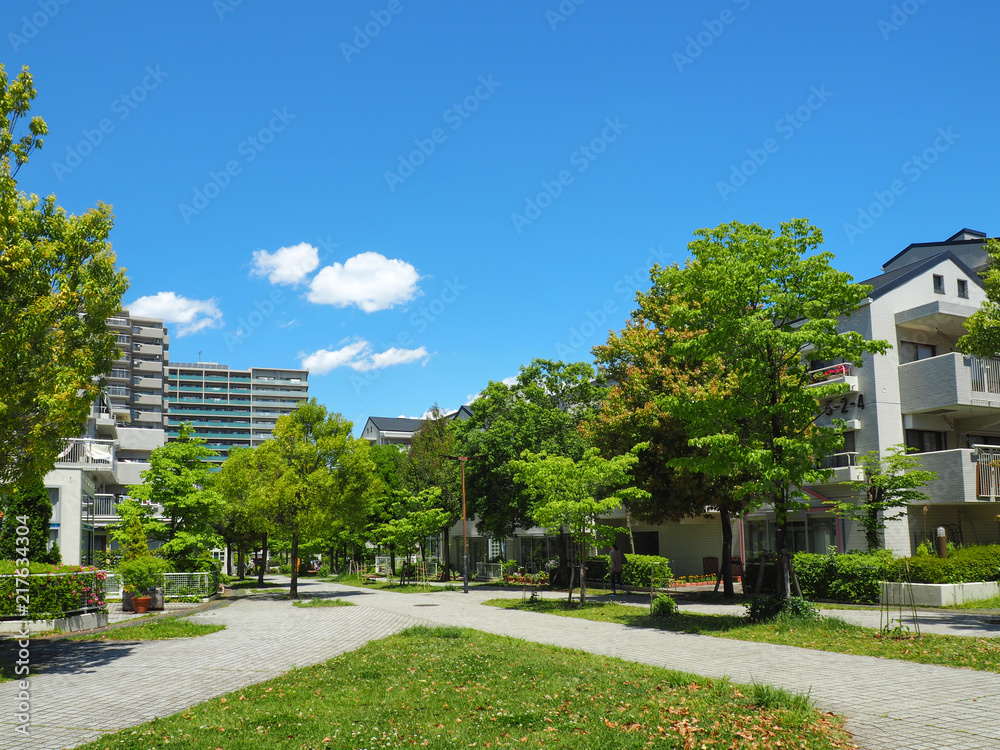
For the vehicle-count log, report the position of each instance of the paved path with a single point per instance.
(88, 689)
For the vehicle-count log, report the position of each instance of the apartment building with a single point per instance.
(95, 469)
(922, 393)
(230, 408)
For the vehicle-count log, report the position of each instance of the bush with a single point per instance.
(664, 606)
(50, 595)
(285, 570)
(107, 560)
(852, 577)
(324, 571)
(638, 570)
(965, 565)
(767, 608)
(599, 568)
(140, 574)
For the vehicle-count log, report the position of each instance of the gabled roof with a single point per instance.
(961, 239)
(395, 424)
(886, 282)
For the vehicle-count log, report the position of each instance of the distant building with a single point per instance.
(400, 430)
(231, 408)
(93, 472)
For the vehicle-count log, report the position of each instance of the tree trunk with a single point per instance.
(446, 573)
(392, 562)
(727, 554)
(263, 561)
(569, 598)
(229, 558)
(583, 573)
(293, 591)
(241, 565)
(628, 525)
(784, 579)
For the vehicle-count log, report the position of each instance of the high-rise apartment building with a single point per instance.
(231, 408)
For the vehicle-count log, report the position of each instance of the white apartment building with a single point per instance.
(94, 471)
(923, 393)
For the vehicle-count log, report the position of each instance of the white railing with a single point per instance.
(985, 375)
(93, 454)
(987, 471)
(174, 584)
(489, 571)
(106, 505)
(839, 460)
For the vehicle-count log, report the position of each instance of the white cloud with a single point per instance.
(360, 356)
(191, 315)
(286, 265)
(369, 280)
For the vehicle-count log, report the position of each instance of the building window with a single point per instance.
(926, 441)
(963, 289)
(910, 351)
(938, 284)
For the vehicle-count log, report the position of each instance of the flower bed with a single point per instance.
(526, 579)
(699, 580)
(49, 591)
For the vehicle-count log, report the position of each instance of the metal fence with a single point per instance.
(489, 571)
(174, 584)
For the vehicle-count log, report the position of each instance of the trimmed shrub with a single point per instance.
(965, 565)
(767, 608)
(664, 606)
(53, 590)
(638, 570)
(599, 567)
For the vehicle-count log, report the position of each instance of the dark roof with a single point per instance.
(886, 282)
(953, 240)
(396, 424)
(463, 413)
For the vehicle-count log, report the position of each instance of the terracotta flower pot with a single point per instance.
(141, 604)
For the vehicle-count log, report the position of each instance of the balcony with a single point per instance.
(834, 374)
(845, 467)
(146, 365)
(90, 455)
(104, 508)
(950, 383)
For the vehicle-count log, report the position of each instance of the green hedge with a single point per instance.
(637, 569)
(53, 590)
(855, 577)
(635, 572)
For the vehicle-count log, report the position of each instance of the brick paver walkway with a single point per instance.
(88, 689)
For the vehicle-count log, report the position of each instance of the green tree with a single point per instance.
(242, 519)
(317, 474)
(753, 302)
(983, 326)
(888, 488)
(180, 479)
(541, 411)
(572, 496)
(429, 464)
(413, 518)
(637, 361)
(58, 286)
(26, 505)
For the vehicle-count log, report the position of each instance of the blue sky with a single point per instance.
(415, 198)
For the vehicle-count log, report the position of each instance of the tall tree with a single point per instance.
(638, 363)
(541, 411)
(429, 464)
(317, 474)
(983, 326)
(754, 302)
(889, 486)
(572, 496)
(412, 518)
(180, 479)
(58, 286)
(241, 518)
(26, 505)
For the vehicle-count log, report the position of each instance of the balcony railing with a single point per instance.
(89, 454)
(839, 460)
(985, 375)
(831, 373)
(987, 471)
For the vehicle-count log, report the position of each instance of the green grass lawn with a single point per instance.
(827, 634)
(447, 687)
(152, 630)
(317, 602)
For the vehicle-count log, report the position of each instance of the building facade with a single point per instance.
(231, 408)
(94, 471)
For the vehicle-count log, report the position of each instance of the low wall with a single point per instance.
(938, 594)
(69, 624)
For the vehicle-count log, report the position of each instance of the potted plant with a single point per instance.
(139, 575)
